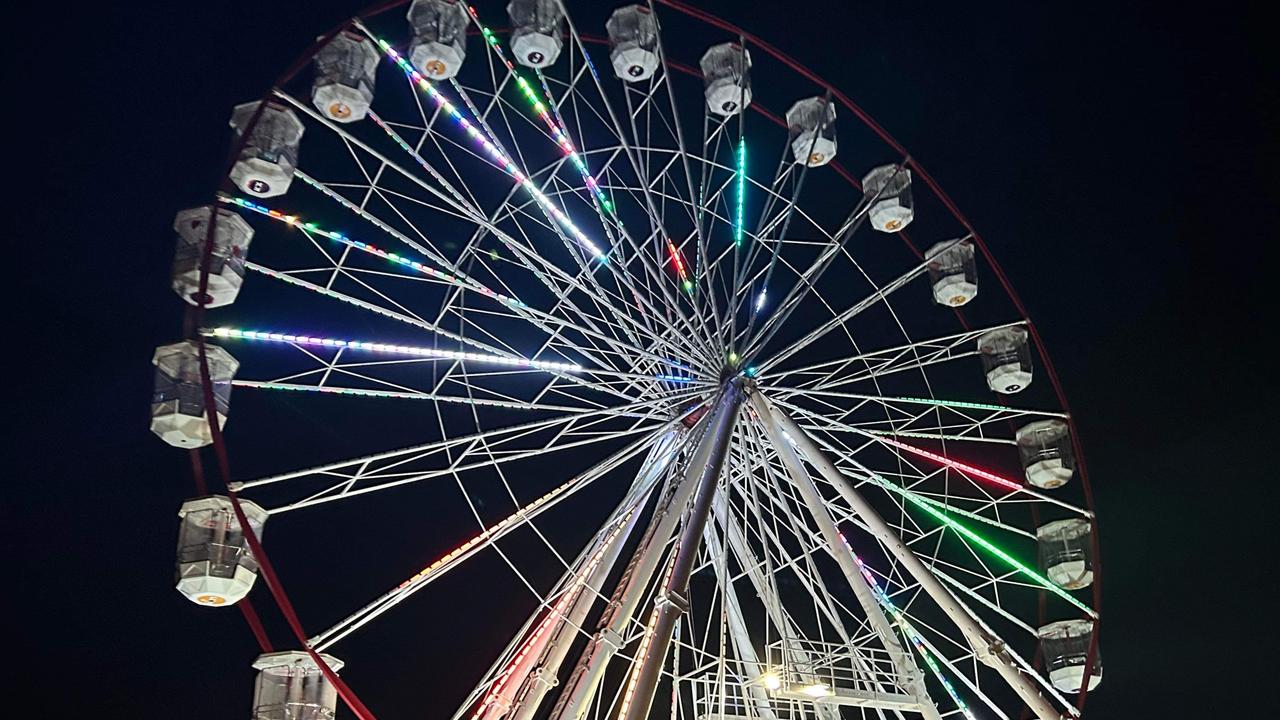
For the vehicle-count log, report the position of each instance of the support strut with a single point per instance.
(910, 674)
(988, 648)
(673, 599)
(575, 697)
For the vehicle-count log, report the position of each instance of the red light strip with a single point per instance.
(954, 464)
(496, 691)
(678, 261)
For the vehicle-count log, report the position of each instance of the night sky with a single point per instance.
(1111, 154)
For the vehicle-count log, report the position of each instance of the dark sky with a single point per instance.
(1113, 154)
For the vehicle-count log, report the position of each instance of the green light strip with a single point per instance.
(996, 551)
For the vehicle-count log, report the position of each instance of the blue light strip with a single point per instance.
(909, 632)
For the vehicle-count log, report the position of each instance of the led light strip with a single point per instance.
(676, 378)
(388, 348)
(395, 136)
(932, 507)
(938, 503)
(678, 261)
(954, 464)
(938, 436)
(360, 392)
(956, 404)
(909, 631)
(994, 550)
(558, 611)
(295, 221)
(378, 223)
(558, 131)
(642, 652)
(742, 190)
(502, 159)
(462, 552)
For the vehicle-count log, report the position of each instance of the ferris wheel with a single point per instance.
(579, 271)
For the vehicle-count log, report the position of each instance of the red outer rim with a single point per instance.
(193, 316)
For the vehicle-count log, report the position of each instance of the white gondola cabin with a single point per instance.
(231, 237)
(178, 403)
(439, 44)
(633, 43)
(270, 154)
(215, 566)
(726, 77)
(953, 272)
(812, 125)
(1006, 359)
(1065, 646)
(1063, 547)
(535, 32)
(1045, 449)
(291, 686)
(888, 190)
(345, 70)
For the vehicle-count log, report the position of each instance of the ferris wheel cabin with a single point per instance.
(1045, 449)
(345, 69)
(1006, 359)
(726, 75)
(291, 686)
(1066, 650)
(633, 43)
(215, 567)
(812, 125)
(1063, 548)
(535, 32)
(270, 155)
(439, 44)
(231, 237)
(178, 404)
(953, 272)
(888, 189)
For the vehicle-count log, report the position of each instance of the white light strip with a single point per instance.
(388, 348)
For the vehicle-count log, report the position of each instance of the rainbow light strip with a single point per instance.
(387, 348)
(295, 221)
(558, 132)
(500, 158)
(954, 464)
(909, 632)
(678, 261)
(742, 190)
(395, 136)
